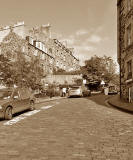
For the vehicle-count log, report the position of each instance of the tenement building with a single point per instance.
(125, 47)
(37, 43)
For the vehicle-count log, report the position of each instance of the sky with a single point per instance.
(88, 26)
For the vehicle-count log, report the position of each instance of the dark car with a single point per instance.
(86, 92)
(14, 100)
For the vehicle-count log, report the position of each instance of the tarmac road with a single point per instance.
(68, 129)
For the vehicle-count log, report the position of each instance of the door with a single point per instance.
(16, 102)
(25, 98)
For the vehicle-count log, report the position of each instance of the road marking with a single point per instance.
(25, 115)
(17, 119)
(47, 107)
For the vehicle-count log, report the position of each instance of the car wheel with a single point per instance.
(8, 113)
(32, 105)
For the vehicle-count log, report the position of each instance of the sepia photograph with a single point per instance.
(66, 84)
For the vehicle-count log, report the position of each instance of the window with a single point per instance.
(129, 69)
(46, 50)
(38, 45)
(129, 35)
(15, 95)
(23, 49)
(42, 65)
(43, 56)
(51, 61)
(50, 50)
(64, 58)
(129, 5)
(35, 53)
(30, 40)
(57, 63)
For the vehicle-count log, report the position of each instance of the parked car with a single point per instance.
(78, 91)
(112, 90)
(86, 92)
(14, 100)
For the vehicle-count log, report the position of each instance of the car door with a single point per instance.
(16, 101)
(25, 98)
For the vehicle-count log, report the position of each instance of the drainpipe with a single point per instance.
(118, 43)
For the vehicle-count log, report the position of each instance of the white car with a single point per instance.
(75, 91)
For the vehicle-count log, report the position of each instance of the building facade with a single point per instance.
(37, 44)
(64, 58)
(37, 49)
(125, 47)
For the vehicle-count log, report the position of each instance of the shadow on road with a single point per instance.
(103, 100)
(100, 99)
(16, 114)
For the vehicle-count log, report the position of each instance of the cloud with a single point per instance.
(94, 39)
(85, 48)
(81, 32)
(57, 35)
(69, 41)
(87, 43)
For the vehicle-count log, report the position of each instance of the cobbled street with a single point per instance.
(69, 129)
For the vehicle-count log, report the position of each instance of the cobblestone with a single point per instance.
(74, 129)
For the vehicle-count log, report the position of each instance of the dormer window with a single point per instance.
(50, 50)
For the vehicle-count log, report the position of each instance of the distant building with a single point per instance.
(64, 58)
(125, 47)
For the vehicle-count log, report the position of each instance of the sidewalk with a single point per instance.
(47, 99)
(121, 104)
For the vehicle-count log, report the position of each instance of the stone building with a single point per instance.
(125, 47)
(37, 43)
(38, 49)
(64, 58)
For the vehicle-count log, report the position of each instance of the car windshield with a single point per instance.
(5, 94)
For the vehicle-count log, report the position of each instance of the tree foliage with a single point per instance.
(5, 70)
(12, 43)
(99, 68)
(27, 73)
(15, 68)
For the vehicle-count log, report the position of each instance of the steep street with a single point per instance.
(74, 128)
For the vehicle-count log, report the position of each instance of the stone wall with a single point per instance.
(125, 17)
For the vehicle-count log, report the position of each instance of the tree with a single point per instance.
(11, 44)
(78, 82)
(97, 68)
(15, 68)
(5, 71)
(27, 73)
